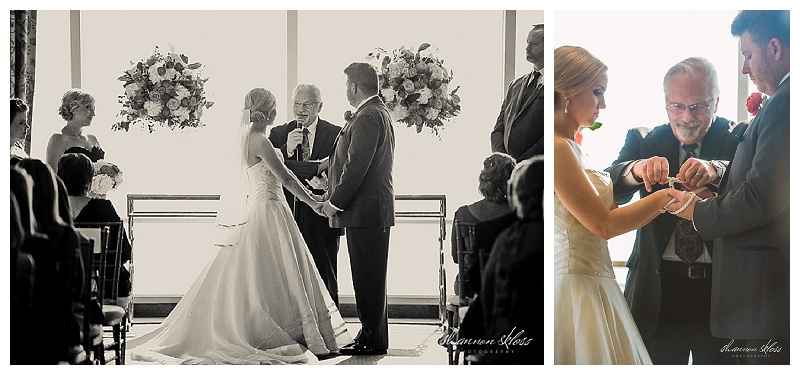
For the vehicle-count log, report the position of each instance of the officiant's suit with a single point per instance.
(519, 129)
(749, 223)
(322, 240)
(644, 291)
(360, 185)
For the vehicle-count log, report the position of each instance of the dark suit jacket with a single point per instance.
(749, 223)
(360, 178)
(526, 123)
(324, 139)
(643, 286)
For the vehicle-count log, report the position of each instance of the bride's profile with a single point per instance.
(260, 300)
(592, 322)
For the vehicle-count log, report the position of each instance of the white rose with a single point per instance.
(131, 88)
(182, 91)
(424, 95)
(181, 113)
(153, 108)
(399, 112)
(153, 72)
(389, 94)
(101, 184)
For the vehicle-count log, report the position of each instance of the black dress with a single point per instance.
(99, 210)
(95, 154)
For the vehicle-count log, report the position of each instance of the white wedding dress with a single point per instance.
(593, 324)
(261, 301)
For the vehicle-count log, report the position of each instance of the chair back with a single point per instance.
(106, 256)
(467, 255)
(89, 295)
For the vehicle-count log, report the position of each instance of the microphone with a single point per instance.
(298, 150)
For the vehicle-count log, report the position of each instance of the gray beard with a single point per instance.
(688, 134)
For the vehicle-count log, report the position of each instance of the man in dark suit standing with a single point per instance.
(306, 142)
(520, 126)
(749, 220)
(361, 200)
(668, 288)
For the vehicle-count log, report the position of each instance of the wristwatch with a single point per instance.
(719, 169)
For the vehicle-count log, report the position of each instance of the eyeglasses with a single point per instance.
(695, 109)
(305, 105)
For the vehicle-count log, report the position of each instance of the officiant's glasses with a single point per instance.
(305, 105)
(695, 109)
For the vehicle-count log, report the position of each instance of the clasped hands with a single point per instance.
(694, 175)
(323, 207)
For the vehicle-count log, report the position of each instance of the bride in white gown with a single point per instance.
(261, 299)
(592, 322)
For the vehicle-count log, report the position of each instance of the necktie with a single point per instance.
(528, 89)
(305, 146)
(688, 244)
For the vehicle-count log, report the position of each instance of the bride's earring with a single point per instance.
(566, 104)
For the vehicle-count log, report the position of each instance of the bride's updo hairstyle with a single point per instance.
(575, 71)
(260, 102)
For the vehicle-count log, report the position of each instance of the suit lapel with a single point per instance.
(713, 140)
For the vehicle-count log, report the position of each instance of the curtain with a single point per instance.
(23, 61)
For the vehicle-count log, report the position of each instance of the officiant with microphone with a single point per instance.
(306, 142)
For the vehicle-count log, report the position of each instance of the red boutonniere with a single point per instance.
(755, 102)
(348, 116)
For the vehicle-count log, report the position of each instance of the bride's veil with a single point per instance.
(232, 211)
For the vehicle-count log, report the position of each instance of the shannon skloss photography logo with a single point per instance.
(737, 350)
(505, 344)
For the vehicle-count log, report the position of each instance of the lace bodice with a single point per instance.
(263, 185)
(577, 250)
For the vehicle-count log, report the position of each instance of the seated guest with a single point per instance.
(58, 272)
(509, 293)
(503, 311)
(492, 183)
(77, 108)
(19, 128)
(76, 170)
(22, 279)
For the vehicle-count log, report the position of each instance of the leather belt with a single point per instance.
(695, 271)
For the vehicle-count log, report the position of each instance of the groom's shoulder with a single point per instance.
(328, 124)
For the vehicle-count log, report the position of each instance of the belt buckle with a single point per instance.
(697, 272)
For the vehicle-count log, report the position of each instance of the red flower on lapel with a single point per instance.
(755, 102)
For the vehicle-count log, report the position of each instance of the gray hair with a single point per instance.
(695, 67)
(308, 87)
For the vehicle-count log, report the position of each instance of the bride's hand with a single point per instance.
(317, 207)
(318, 198)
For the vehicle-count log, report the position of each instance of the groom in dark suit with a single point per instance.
(519, 129)
(316, 136)
(749, 220)
(668, 292)
(361, 200)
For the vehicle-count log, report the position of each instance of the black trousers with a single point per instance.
(369, 252)
(683, 324)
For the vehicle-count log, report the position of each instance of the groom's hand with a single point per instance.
(651, 171)
(681, 197)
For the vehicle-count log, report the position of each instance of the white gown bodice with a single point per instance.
(577, 250)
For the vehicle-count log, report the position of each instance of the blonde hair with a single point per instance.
(575, 70)
(260, 102)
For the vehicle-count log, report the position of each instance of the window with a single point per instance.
(639, 48)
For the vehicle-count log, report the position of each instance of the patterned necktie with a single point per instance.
(688, 244)
(305, 146)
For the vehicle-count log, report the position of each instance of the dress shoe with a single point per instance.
(360, 349)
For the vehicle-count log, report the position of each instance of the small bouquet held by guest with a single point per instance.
(107, 177)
